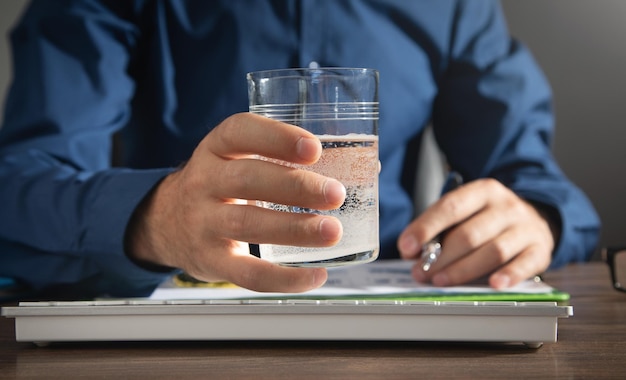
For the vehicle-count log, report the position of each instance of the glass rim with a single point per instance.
(276, 73)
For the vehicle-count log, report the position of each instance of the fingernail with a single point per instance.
(307, 148)
(334, 192)
(500, 281)
(440, 279)
(331, 229)
(408, 245)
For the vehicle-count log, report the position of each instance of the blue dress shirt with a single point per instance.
(155, 76)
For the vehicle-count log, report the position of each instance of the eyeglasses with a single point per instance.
(615, 257)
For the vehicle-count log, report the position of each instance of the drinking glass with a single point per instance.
(340, 107)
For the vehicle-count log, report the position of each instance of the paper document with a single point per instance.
(383, 279)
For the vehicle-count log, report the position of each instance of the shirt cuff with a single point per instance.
(120, 192)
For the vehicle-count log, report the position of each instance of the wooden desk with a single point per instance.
(592, 345)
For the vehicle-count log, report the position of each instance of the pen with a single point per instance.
(432, 249)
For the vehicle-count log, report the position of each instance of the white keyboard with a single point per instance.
(530, 323)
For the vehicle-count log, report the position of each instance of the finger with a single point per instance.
(266, 181)
(451, 209)
(532, 261)
(245, 134)
(471, 234)
(477, 230)
(259, 225)
(483, 260)
(255, 274)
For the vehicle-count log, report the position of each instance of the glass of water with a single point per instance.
(340, 107)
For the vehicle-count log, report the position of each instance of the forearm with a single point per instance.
(494, 118)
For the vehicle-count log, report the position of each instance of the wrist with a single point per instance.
(551, 215)
(140, 243)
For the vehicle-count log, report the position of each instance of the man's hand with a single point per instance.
(197, 218)
(492, 232)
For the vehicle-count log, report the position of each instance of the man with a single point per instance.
(167, 80)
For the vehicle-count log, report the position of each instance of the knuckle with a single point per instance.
(191, 183)
(469, 237)
(495, 188)
(301, 230)
(304, 184)
(492, 185)
(236, 178)
(500, 250)
(540, 258)
(248, 278)
(305, 230)
(229, 131)
(236, 222)
(518, 207)
(493, 182)
(451, 205)
(299, 181)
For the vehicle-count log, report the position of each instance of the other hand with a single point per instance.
(492, 231)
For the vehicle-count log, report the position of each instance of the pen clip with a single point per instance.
(432, 250)
(430, 254)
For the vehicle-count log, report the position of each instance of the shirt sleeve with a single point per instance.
(493, 117)
(64, 208)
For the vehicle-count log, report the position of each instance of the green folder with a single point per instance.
(552, 296)
(380, 280)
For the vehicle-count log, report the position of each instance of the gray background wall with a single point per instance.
(580, 44)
